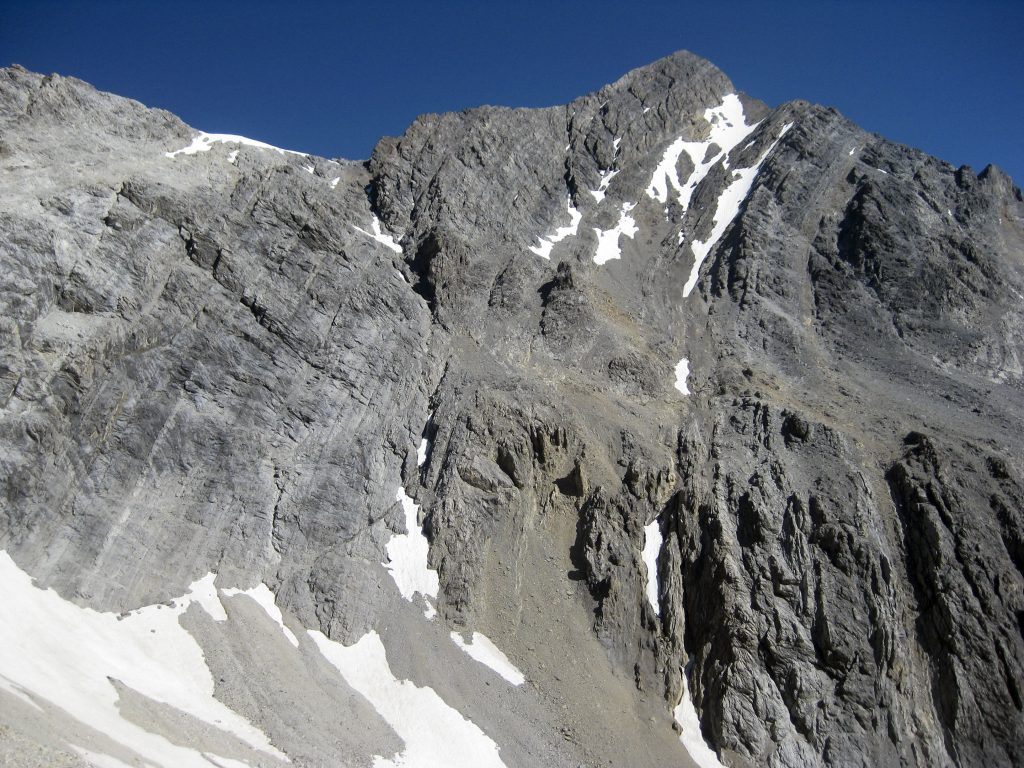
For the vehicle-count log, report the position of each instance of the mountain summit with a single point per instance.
(661, 428)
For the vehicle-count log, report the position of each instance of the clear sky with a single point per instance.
(331, 78)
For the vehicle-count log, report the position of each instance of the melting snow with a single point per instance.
(68, 655)
(852, 151)
(728, 206)
(308, 168)
(488, 654)
(379, 235)
(652, 546)
(407, 557)
(728, 128)
(690, 733)
(334, 181)
(435, 734)
(547, 243)
(608, 239)
(265, 598)
(203, 142)
(233, 156)
(682, 371)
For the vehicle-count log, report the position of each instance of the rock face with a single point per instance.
(223, 360)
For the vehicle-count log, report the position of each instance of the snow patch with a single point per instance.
(606, 179)
(233, 156)
(435, 734)
(407, 557)
(547, 243)
(690, 733)
(204, 593)
(67, 655)
(682, 371)
(265, 599)
(308, 168)
(728, 128)
(426, 444)
(608, 239)
(334, 181)
(203, 141)
(379, 235)
(727, 208)
(852, 151)
(652, 546)
(487, 653)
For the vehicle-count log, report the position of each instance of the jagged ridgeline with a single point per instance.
(657, 429)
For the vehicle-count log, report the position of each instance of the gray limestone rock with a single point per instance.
(224, 361)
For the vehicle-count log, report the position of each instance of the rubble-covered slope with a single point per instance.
(709, 412)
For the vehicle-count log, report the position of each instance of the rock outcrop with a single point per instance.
(224, 359)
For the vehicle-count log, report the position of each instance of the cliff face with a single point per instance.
(770, 357)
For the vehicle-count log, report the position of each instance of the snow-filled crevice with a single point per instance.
(726, 209)
(426, 445)
(652, 547)
(690, 733)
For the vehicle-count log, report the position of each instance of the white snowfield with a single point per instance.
(726, 209)
(608, 239)
(435, 734)
(379, 235)
(55, 652)
(203, 141)
(728, 128)
(68, 656)
(487, 653)
(652, 546)
(407, 557)
(547, 243)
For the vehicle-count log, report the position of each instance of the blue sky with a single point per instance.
(331, 78)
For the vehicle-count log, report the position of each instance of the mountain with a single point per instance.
(662, 428)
